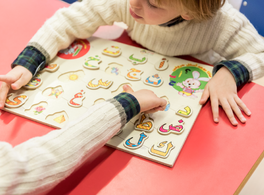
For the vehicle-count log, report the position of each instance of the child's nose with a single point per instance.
(135, 4)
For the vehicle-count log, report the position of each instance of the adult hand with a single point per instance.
(15, 79)
(222, 91)
(149, 102)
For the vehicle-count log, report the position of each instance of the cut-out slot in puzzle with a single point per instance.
(93, 70)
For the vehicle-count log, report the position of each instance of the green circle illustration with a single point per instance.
(188, 79)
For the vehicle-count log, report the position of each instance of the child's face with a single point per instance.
(148, 12)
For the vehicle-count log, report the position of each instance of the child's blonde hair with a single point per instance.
(197, 9)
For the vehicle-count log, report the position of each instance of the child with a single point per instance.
(215, 33)
(56, 155)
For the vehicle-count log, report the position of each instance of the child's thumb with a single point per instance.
(205, 96)
(19, 83)
(128, 89)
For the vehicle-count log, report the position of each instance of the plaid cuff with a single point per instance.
(129, 103)
(32, 59)
(237, 69)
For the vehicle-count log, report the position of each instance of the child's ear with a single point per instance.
(186, 17)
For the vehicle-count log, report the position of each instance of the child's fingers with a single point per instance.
(128, 89)
(3, 93)
(237, 110)
(153, 110)
(242, 106)
(6, 79)
(160, 106)
(215, 108)
(19, 83)
(163, 104)
(205, 96)
(229, 112)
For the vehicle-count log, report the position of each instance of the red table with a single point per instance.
(214, 159)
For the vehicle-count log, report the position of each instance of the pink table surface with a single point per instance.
(214, 159)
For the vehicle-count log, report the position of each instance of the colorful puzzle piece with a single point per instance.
(162, 149)
(144, 123)
(138, 144)
(154, 80)
(162, 64)
(184, 111)
(16, 100)
(176, 129)
(136, 60)
(134, 74)
(92, 62)
(113, 51)
(99, 84)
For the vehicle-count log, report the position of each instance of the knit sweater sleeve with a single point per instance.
(40, 163)
(239, 41)
(80, 20)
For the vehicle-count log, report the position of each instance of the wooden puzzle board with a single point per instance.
(66, 88)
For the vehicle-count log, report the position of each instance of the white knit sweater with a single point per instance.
(39, 164)
(229, 35)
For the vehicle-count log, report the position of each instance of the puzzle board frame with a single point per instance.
(58, 106)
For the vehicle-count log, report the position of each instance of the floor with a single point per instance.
(117, 30)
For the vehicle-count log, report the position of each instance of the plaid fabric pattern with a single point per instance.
(129, 103)
(238, 70)
(30, 58)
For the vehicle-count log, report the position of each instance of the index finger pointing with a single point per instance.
(6, 79)
(3, 93)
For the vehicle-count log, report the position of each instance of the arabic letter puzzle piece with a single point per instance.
(162, 64)
(154, 80)
(144, 123)
(34, 83)
(77, 100)
(50, 67)
(138, 143)
(184, 111)
(99, 84)
(92, 62)
(137, 60)
(15, 101)
(113, 51)
(134, 74)
(172, 128)
(162, 149)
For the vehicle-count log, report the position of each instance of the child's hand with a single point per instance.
(148, 100)
(15, 78)
(222, 91)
